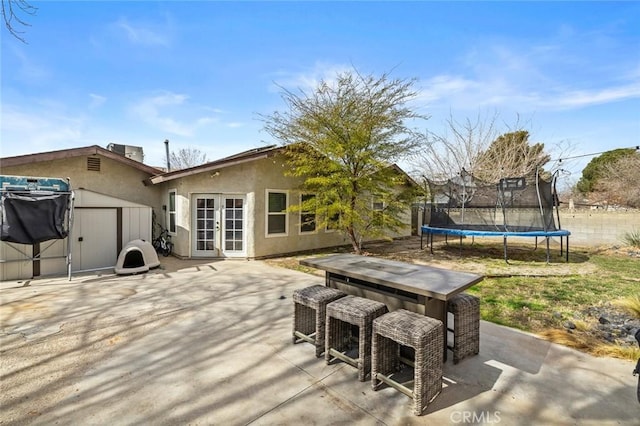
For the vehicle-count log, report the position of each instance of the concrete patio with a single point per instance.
(210, 343)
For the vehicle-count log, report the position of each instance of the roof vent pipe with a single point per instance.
(166, 147)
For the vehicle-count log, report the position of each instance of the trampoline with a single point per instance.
(513, 207)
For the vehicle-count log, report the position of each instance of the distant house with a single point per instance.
(229, 208)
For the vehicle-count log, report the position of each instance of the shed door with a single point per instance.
(95, 243)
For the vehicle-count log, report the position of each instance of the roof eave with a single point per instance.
(214, 165)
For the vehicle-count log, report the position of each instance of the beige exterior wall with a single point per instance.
(114, 178)
(252, 179)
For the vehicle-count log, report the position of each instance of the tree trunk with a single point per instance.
(357, 248)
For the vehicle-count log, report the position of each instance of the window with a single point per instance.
(333, 216)
(333, 223)
(171, 212)
(377, 206)
(276, 213)
(307, 216)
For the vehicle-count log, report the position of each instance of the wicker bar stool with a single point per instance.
(309, 314)
(344, 313)
(425, 335)
(466, 325)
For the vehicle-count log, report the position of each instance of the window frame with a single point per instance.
(172, 213)
(307, 213)
(335, 219)
(284, 213)
(378, 200)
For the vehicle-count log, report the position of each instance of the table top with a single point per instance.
(418, 279)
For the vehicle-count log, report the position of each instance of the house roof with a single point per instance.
(242, 157)
(20, 160)
(156, 175)
(410, 180)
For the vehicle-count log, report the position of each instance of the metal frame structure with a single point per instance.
(37, 187)
(545, 225)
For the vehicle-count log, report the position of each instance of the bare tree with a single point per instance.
(11, 11)
(186, 157)
(460, 147)
(477, 148)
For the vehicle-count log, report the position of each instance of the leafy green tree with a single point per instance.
(342, 140)
(619, 182)
(510, 155)
(596, 168)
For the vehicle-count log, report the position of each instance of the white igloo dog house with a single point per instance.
(136, 257)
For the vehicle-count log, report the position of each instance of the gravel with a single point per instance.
(612, 324)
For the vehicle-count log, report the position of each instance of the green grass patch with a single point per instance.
(549, 295)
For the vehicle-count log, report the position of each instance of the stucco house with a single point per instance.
(229, 208)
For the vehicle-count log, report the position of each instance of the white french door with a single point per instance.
(234, 238)
(206, 225)
(218, 225)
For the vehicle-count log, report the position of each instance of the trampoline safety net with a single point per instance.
(521, 204)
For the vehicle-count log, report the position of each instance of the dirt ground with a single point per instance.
(524, 258)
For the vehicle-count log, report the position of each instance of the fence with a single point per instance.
(587, 227)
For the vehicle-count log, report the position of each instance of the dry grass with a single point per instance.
(630, 304)
(590, 344)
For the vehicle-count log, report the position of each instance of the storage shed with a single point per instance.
(102, 225)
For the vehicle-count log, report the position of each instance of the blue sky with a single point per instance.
(200, 73)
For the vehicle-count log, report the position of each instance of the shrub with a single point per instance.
(632, 238)
(630, 304)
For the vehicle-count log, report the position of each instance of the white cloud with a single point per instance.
(96, 101)
(546, 76)
(46, 129)
(173, 113)
(308, 80)
(443, 87)
(583, 98)
(143, 34)
(28, 70)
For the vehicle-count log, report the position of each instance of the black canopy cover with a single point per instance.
(29, 218)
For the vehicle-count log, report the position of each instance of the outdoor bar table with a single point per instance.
(417, 288)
